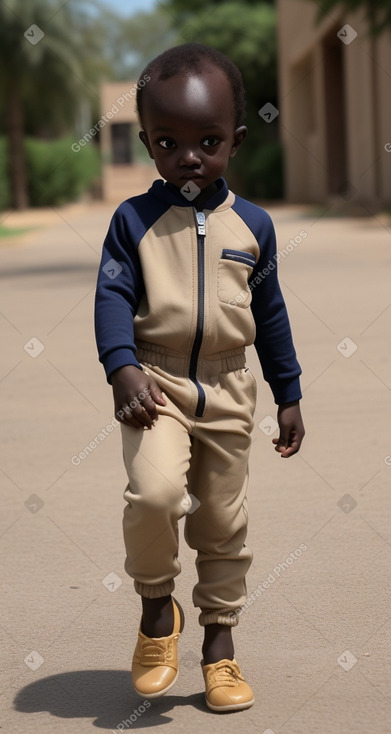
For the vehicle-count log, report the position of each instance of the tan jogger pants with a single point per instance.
(206, 458)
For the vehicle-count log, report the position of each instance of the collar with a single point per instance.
(172, 194)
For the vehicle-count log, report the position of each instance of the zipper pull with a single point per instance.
(200, 216)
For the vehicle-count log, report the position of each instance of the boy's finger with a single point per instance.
(157, 395)
(287, 448)
(149, 406)
(134, 423)
(143, 415)
(136, 416)
(293, 449)
(280, 443)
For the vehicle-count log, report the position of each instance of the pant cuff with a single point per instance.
(230, 619)
(154, 591)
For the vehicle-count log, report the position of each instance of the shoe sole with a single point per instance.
(230, 706)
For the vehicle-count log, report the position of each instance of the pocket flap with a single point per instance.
(238, 256)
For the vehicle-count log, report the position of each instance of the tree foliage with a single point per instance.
(247, 33)
(50, 61)
(182, 8)
(378, 12)
(132, 42)
(50, 88)
(63, 67)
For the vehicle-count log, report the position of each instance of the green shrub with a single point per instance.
(56, 174)
(257, 172)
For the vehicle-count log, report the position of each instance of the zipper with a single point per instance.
(201, 231)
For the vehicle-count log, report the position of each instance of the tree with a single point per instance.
(41, 76)
(247, 34)
(132, 42)
(188, 7)
(378, 12)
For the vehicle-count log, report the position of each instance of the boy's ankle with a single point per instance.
(158, 616)
(218, 643)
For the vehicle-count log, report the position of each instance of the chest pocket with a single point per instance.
(233, 271)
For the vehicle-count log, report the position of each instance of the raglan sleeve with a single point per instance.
(273, 340)
(118, 292)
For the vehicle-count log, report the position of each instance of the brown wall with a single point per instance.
(335, 106)
(121, 180)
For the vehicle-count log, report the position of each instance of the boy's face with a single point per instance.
(189, 126)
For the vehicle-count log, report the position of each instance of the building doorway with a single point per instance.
(335, 112)
(121, 143)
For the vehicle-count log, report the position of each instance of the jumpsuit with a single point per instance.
(180, 294)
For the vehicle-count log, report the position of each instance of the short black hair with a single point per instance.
(192, 57)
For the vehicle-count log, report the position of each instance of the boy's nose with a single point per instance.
(189, 157)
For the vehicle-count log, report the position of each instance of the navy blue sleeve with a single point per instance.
(119, 289)
(273, 340)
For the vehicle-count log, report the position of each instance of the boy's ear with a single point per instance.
(239, 135)
(144, 139)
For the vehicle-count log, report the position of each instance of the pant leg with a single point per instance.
(156, 461)
(218, 478)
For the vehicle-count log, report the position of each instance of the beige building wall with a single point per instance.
(335, 106)
(122, 173)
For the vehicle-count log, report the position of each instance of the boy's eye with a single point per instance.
(166, 143)
(211, 141)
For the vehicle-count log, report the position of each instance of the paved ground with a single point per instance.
(314, 641)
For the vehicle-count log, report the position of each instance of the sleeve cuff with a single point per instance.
(117, 359)
(286, 391)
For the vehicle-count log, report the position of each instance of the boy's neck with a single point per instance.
(204, 195)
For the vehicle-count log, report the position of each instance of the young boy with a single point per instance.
(187, 281)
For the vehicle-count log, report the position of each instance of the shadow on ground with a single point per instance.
(104, 695)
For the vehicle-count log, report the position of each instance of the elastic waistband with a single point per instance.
(234, 359)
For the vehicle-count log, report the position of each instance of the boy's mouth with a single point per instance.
(191, 177)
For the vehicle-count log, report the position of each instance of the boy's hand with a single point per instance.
(135, 397)
(291, 429)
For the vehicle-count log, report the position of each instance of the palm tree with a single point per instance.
(41, 68)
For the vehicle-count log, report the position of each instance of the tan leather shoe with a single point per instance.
(225, 687)
(155, 659)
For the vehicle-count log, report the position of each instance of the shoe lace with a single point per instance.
(227, 672)
(156, 651)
